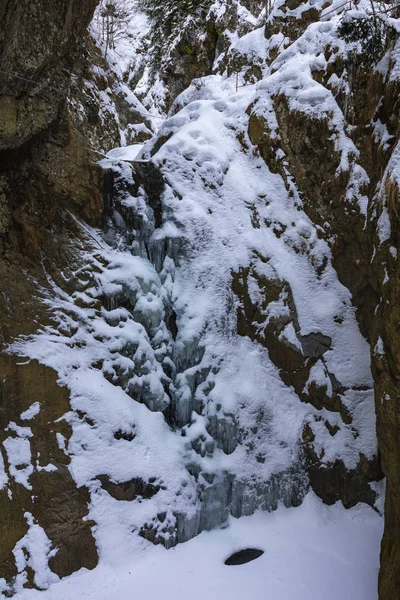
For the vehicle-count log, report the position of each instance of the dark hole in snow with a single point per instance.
(244, 556)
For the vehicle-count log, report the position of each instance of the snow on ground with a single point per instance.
(313, 552)
(126, 152)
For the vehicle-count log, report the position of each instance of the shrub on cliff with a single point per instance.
(373, 32)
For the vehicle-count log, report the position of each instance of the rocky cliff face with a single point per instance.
(384, 337)
(46, 169)
(237, 286)
(363, 239)
(183, 41)
(35, 84)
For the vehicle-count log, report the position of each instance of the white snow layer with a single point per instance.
(34, 551)
(126, 152)
(313, 552)
(31, 412)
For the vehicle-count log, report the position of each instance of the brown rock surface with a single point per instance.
(46, 169)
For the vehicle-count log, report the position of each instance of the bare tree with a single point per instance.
(269, 4)
(112, 20)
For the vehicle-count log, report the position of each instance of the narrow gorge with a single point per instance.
(199, 316)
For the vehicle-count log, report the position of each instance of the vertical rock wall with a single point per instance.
(45, 169)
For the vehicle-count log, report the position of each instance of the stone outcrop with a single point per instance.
(364, 249)
(385, 344)
(46, 169)
(38, 45)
